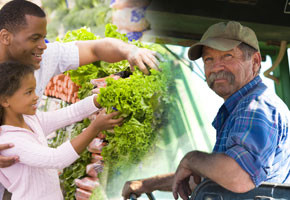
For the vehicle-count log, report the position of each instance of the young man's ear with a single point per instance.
(5, 36)
(256, 61)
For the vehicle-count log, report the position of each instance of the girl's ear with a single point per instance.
(4, 103)
(5, 37)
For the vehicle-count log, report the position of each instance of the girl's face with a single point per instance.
(24, 100)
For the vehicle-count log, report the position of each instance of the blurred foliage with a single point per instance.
(73, 14)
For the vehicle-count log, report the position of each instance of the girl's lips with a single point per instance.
(34, 106)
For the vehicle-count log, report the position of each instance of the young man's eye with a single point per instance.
(35, 39)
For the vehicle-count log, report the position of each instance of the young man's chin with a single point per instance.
(36, 66)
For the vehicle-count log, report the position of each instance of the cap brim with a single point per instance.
(221, 44)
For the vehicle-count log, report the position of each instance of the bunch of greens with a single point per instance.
(142, 100)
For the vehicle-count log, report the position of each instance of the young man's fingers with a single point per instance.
(8, 161)
(159, 57)
(142, 67)
(150, 63)
(6, 146)
(155, 61)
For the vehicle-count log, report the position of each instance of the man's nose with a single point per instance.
(218, 65)
(42, 44)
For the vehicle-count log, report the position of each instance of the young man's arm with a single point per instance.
(7, 161)
(114, 50)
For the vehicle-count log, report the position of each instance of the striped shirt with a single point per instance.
(253, 128)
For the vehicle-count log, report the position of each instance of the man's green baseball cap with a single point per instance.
(224, 37)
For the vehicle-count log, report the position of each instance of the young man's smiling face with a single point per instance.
(27, 44)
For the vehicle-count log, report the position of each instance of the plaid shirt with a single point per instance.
(252, 128)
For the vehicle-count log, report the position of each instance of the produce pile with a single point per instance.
(62, 87)
(143, 101)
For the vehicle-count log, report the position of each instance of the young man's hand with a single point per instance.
(7, 161)
(142, 57)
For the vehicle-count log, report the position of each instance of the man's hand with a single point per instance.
(132, 187)
(7, 161)
(143, 57)
(114, 50)
(181, 182)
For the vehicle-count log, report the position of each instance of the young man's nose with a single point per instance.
(42, 44)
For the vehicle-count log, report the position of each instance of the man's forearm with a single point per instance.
(160, 182)
(220, 168)
(107, 49)
(116, 50)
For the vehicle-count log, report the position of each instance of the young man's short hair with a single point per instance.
(12, 14)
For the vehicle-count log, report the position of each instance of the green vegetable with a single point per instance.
(143, 101)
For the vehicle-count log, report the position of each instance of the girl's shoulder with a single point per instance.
(13, 132)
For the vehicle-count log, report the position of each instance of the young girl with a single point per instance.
(35, 175)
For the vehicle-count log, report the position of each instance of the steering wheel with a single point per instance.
(149, 195)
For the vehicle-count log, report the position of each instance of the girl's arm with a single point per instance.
(32, 153)
(53, 120)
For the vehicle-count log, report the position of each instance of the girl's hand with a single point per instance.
(105, 121)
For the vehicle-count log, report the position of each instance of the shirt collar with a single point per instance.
(232, 101)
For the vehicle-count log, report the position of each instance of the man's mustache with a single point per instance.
(220, 75)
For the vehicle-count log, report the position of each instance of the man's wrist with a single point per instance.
(146, 186)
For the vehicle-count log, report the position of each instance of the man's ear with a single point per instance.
(256, 61)
(5, 37)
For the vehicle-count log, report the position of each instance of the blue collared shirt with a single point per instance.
(253, 128)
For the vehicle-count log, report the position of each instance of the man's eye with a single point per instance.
(207, 59)
(227, 56)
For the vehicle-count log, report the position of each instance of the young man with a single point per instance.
(22, 34)
(252, 125)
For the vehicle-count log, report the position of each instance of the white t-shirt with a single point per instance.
(56, 59)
